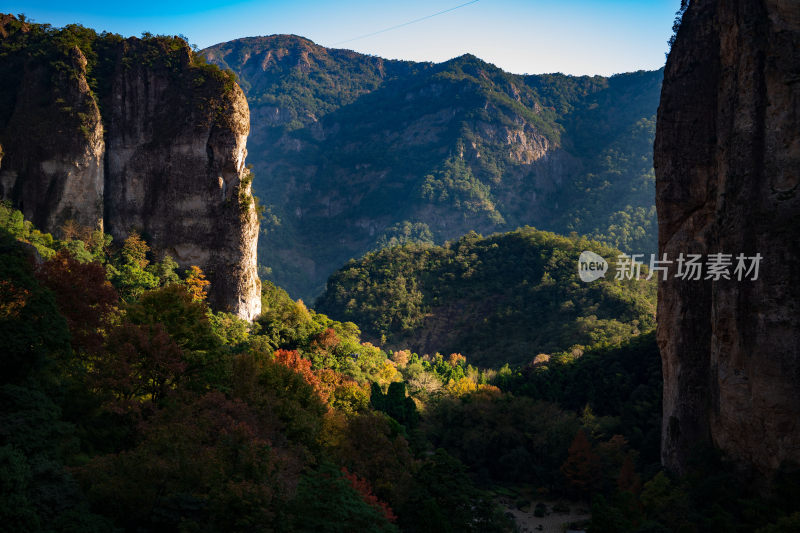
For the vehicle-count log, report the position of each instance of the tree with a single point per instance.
(142, 364)
(444, 499)
(456, 359)
(292, 359)
(395, 403)
(165, 270)
(31, 328)
(206, 464)
(363, 487)
(197, 283)
(129, 275)
(175, 308)
(582, 468)
(187, 324)
(401, 358)
(84, 297)
(328, 501)
(628, 480)
(372, 446)
(461, 386)
(134, 251)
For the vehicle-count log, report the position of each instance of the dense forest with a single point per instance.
(127, 404)
(442, 381)
(352, 153)
(521, 289)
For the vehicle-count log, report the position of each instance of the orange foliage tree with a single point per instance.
(197, 283)
(293, 360)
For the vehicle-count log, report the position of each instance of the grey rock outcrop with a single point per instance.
(149, 141)
(727, 160)
(53, 147)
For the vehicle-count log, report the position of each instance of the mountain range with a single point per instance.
(352, 153)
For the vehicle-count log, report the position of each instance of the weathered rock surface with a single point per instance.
(165, 157)
(175, 171)
(53, 142)
(727, 160)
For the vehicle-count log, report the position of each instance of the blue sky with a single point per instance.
(533, 36)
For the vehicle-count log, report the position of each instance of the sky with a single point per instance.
(521, 36)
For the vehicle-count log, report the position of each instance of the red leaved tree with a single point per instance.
(363, 487)
(582, 467)
(293, 360)
(84, 297)
(141, 365)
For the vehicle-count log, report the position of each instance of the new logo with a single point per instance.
(591, 266)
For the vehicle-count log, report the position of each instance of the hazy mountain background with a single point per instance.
(353, 153)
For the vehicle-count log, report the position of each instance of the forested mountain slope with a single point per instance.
(355, 152)
(502, 299)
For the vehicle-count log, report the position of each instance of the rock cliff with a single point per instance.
(132, 134)
(727, 161)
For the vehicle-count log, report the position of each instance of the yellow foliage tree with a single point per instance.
(388, 373)
(197, 283)
(461, 387)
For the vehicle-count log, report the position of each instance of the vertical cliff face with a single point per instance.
(139, 137)
(727, 160)
(176, 171)
(53, 146)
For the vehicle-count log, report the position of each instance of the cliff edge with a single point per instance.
(727, 161)
(131, 135)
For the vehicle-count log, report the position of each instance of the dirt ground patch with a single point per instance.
(558, 515)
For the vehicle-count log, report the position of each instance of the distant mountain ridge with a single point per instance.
(354, 152)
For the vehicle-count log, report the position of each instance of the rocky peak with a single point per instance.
(165, 158)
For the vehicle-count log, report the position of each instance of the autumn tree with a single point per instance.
(628, 480)
(326, 341)
(130, 275)
(456, 359)
(84, 297)
(363, 487)
(141, 365)
(134, 251)
(582, 468)
(292, 359)
(461, 386)
(401, 358)
(281, 388)
(197, 283)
